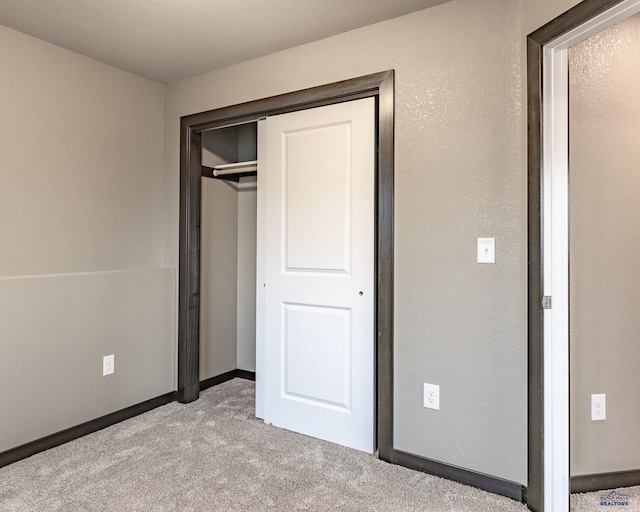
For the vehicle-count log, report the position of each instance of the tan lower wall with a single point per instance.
(55, 332)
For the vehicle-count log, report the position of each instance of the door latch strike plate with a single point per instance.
(546, 302)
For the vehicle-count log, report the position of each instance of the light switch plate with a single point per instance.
(486, 250)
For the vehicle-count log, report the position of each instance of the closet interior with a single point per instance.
(228, 250)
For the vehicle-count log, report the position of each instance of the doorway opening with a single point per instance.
(380, 87)
(548, 240)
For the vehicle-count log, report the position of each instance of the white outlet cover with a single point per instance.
(108, 365)
(599, 407)
(486, 250)
(432, 396)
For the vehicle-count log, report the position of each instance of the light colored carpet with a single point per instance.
(213, 455)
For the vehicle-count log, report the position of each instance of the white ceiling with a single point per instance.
(166, 40)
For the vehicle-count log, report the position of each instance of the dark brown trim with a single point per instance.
(217, 379)
(464, 476)
(246, 375)
(573, 18)
(89, 427)
(384, 268)
(379, 86)
(224, 377)
(535, 349)
(207, 172)
(346, 90)
(189, 265)
(605, 481)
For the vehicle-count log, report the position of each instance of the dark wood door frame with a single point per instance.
(573, 18)
(379, 86)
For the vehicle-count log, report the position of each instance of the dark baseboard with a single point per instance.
(604, 481)
(464, 476)
(246, 375)
(69, 434)
(218, 379)
(224, 377)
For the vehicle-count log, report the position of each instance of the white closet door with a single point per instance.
(317, 174)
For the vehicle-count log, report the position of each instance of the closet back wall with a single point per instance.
(228, 262)
(247, 232)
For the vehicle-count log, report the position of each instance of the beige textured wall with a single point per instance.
(604, 247)
(460, 174)
(80, 240)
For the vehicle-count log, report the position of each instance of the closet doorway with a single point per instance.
(194, 129)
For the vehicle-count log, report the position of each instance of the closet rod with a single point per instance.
(235, 168)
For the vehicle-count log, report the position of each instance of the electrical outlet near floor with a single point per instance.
(108, 365)
(598, 407)
(432, 396)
